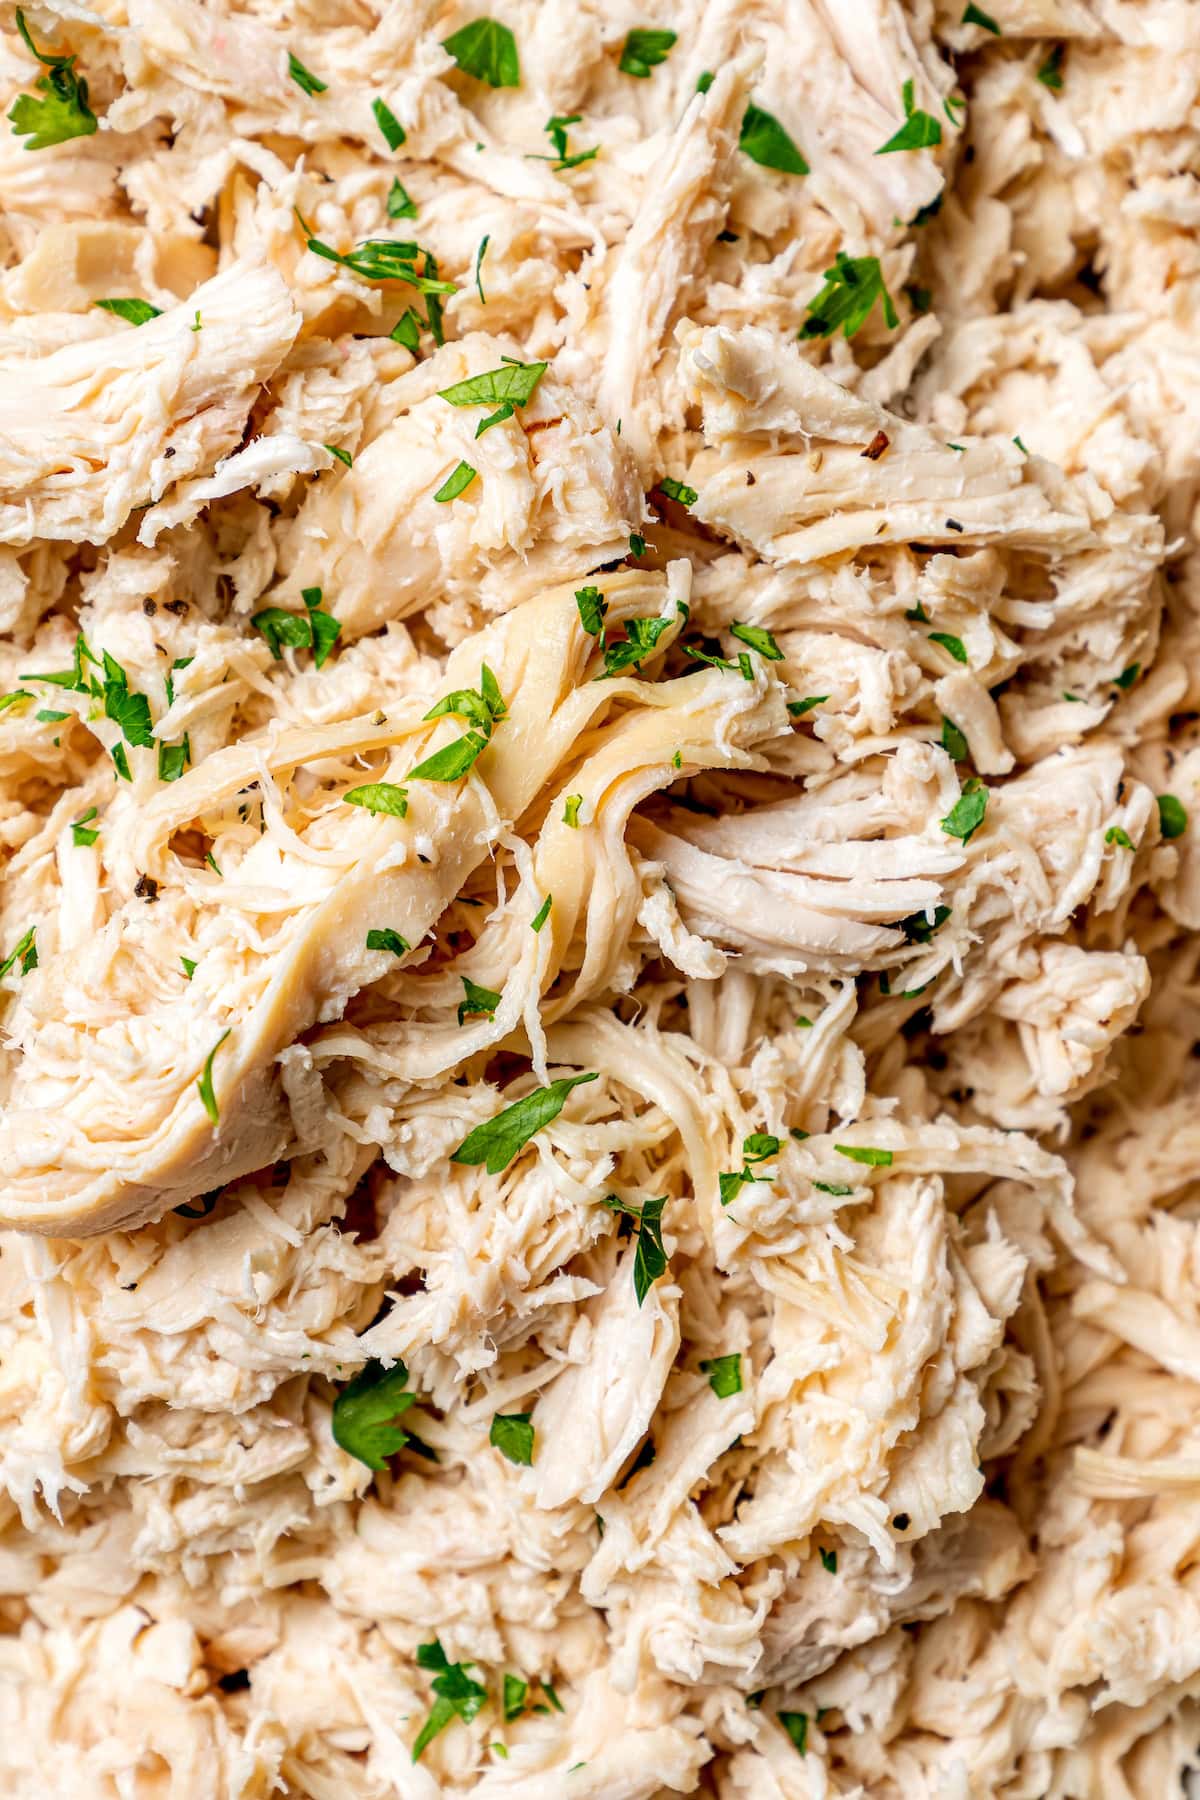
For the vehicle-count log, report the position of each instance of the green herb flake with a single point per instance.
(407, 331)
(975, 15)
(704, 81)
(724, 1374)
(630, 652)
(798, 708)
(1116, 834)
(189, 966)
(1172, 816)
(479, 256)
(1127, 677)
(1020, 446)
(476, 1000)
(852, 286)
(644, 49)
(204, 1086)
(650, 1258)
(400, 204)
(920, 130)
(758, 639)
(386, 259)
(678, 490)
(459, 1695)
(487, 50)
(953, 646)
(47, 716)
(134, 312)
(542, 914)
(173, 759)
(456, 483)
(81, 833)
(24, 951)
(304, 78)
(379, 797)
(364, 1411)
(765, 141)
(592, 608)
(383, 937)
(512, 1435)
(863, 1153)
(394, 135)
(451, 762)
(796, 1726)
(505, 388)
(919, 298)
(121, 762)
(954, 742)
(343, 456)
(63, 113)
(829, 1561)
(556, 129)
(1050, 73)
(498, 1140)
(918, 929)
(515, 1694)
(637, 544)
(967, 814)
(571, 811)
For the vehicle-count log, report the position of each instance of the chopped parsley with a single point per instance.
(556, 129)
(920, 130)
(1116, 834)
(483, 706)
(757, 1148)
(758, 639)
(343, 456)
(506, 388)
(47, 716)
(400, 203)
(379, 797)
(479, 256)
(1050, 73)
(189, 966)
(724, 1374)
(920, 299)
(637, 544)
(954, 742)
(476, 1000)
(134, 312)
(967, 814)
(765, 141)
(384, 259)
(515, 1692)
(975, 15)
(304, 78)
(863, 1153)
(393, 131)
(364, 1411)
(173, 759)
(1172, 816)
(82, 833)
(630, 652)
(1127, 677)
(204, 1086)
(452, 761)
(459, 1695)
(796, 1726)
(487, 50)
(121, 762)
(592, 608)
(456, 483)
(385, 938)
(63, 112)
(828, 1561)
(313, 629)
(498, 1140)
(852, 286)
(644, 50)
(798, 708)
(407, 331)
(678, 490)
(918, 929)
(650, 1259)
(24, 952)
(128, 710)
(952, 645)
(542, 914)
(512, 1435)
(571, 811)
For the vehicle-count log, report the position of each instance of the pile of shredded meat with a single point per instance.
(600, 808)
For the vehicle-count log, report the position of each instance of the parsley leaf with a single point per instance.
(556, 129)
(483, 706)
(862, 1153)
(1116, 834)
(80, 833)
(796, 1726)
(1127, 677)
(379, 797)
(920, 130)
(498, 1140)
(134, 312)
(592, 608)
(452, 761)
(650, 1259)
(975, 15)
(456, 483)
(678, 490)
(918, 929)
(313, 629)
(954, 646)
(967, 814)
(1172, 816)
(479, 256)
(631, 651)
(459, 1695)
(189, 966)
(644, 50)
(394, 134)
(755, 1149)
(364, 1410)
(515, 1691)
(764, 140)
(487, 50)
(304, 78)
(476, 1000)
(724, 1374)
(343, 456)
(204, 1086)
(852, 286)
(954, 743)
(384, 259)
(400, 205)
(758, 639)
(1050, 73)
(173, 759)
(385, 938)
(798, 708)
(130, 711)
(407, 331)
(512, 1435)
(542, 914)
(571, 811)
(121, 762)
(23, 952)
(828, 1561)
(508, 387)
(63, 113)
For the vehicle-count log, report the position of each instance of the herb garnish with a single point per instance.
(644, 49)
(650, 1259)
(967, 814)
(364, 1411)
(304, 78)
(456, 483)
(724, 1374)
(852, 286)
(765, 141)
(487, 50)
(920, 130)
(64, 112)
(134, 312)
(512, 1435)
(498, 1140)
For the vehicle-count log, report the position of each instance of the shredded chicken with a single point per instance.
(599, 959)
